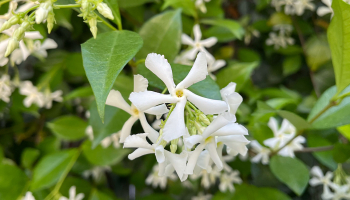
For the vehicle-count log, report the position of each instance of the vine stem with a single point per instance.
(68, 6)
(106, 23)
(55, 191)
(315, 149)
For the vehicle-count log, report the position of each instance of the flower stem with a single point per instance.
(164, 91)
(68, 6)
(106, 23)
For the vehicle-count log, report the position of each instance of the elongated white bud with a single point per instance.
(93, 26)
(12, 45)
(12, 21)
(17, 36)
(105, 10)
(43, 11)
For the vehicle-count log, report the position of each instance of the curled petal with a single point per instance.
(192, 159)
(126, 130)
(211, 147)
(159, 152)
(152, 134)
(157, 110)
(192, 140)
(231, 129)
(137, 141)
(219, 122)
(207, 106)
(203, 159)
(178, 161)
(116, 99)
(140, 152)
(140, 83)
(161, 68)
(198, 72)
(229, 89)
(148, 99)
(233, 101)
(175, 125)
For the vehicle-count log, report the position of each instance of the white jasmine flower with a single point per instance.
(215, 65)
(105, 10)
(28, 196)
(97, 172)
(112, 139)
(289, 6)
(179, 94)
(277, 4)
(319, 179)
(54, 96)
(155, 180)
(281, 135)
(232, 98)
(115, 99)
(208, 176)
(42, 12)
(200, 4)
(182, 59)
(5, 88)
(73, 195)
(202, 196)
(197, 44)
(89, 132)
(39, 48)
(228, 179)
(279, 40)
(340, 193)
(262, 153)
(302, 5)
(32, 93)
(324, 10)
(294, 145)
(283, 29)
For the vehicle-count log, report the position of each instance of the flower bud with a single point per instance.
(42, 12)
(210, 117)
(202, 117)
(93, 26)
(173, 148)
(163, 143)
(85, 4)
(105, 10)
(12, 45)
(50, 21)
(12, 21)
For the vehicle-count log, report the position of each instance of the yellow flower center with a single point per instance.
(179, 93)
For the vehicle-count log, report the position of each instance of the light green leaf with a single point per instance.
(221, 33)
(206, 88)
(279, 18)
(50, 168)
(29, 156)
(339, 41)
(82, 186)
(111, 155)
(335, 116)
(296, 120)
(345, 131)
(12, 182)
(69, 128)
(79, 92)
(114, 121)
(162, 34)
(324, 157)
(99, 195)
(233, 26)
(104, 58)
(291, 172)
(235, 72)
(188, 7)
(317, 51)
(279, 103)
(291, 65)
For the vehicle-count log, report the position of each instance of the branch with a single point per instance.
(315, 149)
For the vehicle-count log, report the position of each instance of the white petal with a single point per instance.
(159, 152)
(217, 65)
(192, 140)
(186, 40)
(256, 145)
(207, 106)
(140, 83)
(148, 99)
(116, 99)
(203, 159)
(315, 181)
(161, 68)
(157, 110)
(321, 11)
(229, 89)
(25, 7)
(214, 155)
(3, 46)
(192, 159)
(137, 141)
(34, 35)
(234, 101)
(237, 144)
(219, 122)
(152, 134)
(231, 129)
(126, 130)
(209, 42)
(178, 161)
(140, 152)
(273, 124)
(198, 72)
(72, 192)
(191, 54)
(49, 44)
(272, 142)
(175, 126)
(316, 171)
(24, 50)
(80, 196)
(197, 33)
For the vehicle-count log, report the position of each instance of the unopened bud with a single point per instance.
(93, 26)
(105, 10)
(203, 118)
(210, 117)
(163, 143)
(50, 21)
(43, 11)
(173, 148)
(12, 45)
(12, 21)
(85, 4)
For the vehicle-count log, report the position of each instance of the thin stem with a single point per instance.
(342, 96)
(192, 106)
(189, 110)
(30, 9)
(330, 104)
(164, 91)
(315, 149)
(140, 61)
(106, 23)
(68, 6)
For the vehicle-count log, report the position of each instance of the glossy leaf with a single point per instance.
(12, 182)
(345, 131)
(162, 34)
(69, 128)
(104, 58)
(29, 156)
(234, 27)
(291, 172)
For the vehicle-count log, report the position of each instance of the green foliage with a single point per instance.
(12, 181)
(341, 153)
(291, 172)
(104, 58)
(317, 51)
(234, 27)
(29, 156)
(324, 157)
(291, 65)
(69, 128)
(187, 6)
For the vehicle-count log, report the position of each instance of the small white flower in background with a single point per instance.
(28, 196)
(340, 193)
(105, 10)
(208, 176)
(54, 96)
(89, 132)
(97, 172)
(200, 4)
(215, 65)
(319, 179)
(282, 39)
(5, 88)
(112, 139)
(283, 29)
(277, 4)
(202, 196)
(294, 145)
(39, 49)
(73, 195)
(262, 153)
(158, 181)
(32, 93)
(42, 12)
(302, 5)
(324, 10)
(197, 44)
(292, 7)
(116, 99)
(228, 179)
(182, 59)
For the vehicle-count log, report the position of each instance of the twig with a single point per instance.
(315, 149)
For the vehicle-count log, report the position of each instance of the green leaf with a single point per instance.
(291, 65)
(341, 153)
(206, 88)
(188, 7)
(82, 186)
(221, 33)
(339, 41)
(110, 154)
(99, 195)
(324, 157)
(1, 154)
(12, 182)
(245, 191)
(236, 72)
(69, 128)
(114, 121)
(291, 172)
(345, 131)
(104, 58)
(279, 18)
(234, 27)
(162, 34)
(29, 156)
(296, 120)
(317, 51)
(79, 92)
(50, 168)
(113, 5)
(335, 116)
(132, 3)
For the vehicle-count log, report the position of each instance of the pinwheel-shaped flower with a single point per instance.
(320, 179)
(179, 94)
(73, 195)
(262, 153)
(116, 99)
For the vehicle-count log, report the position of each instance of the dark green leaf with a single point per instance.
(324, 157)
(69, 128)
(341, 153)
(291, 65)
